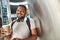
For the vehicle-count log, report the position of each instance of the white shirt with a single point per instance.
(21, 30)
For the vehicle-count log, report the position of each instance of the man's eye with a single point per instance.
(5, 31)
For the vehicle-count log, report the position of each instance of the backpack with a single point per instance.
(28, 23)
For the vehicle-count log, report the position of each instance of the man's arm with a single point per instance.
(33, 31)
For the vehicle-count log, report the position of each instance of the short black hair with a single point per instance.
(23, 6)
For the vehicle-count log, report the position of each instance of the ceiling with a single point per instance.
(17, 0)
(14, 7)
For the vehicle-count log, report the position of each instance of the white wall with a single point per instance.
(49, 13)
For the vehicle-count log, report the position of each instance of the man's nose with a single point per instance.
(19, 11)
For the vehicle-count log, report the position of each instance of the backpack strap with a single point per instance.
(28, 23)
(12, 24)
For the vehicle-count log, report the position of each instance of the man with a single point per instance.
(20, 28)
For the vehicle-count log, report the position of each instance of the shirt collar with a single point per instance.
(22, 20)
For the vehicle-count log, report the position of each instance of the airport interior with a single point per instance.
(46, 15)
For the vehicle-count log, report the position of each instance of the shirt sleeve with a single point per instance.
(32, 24)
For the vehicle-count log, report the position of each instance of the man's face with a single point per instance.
(20, 12)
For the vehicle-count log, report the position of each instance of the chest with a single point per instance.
(20, 27)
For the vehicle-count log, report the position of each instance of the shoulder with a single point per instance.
(31, 19)
(32, 23)
(12, 22)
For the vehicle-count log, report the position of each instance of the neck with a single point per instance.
(21, 18)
